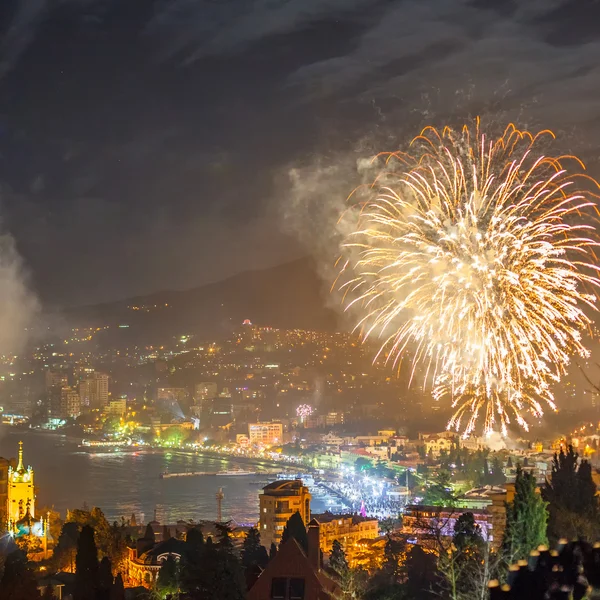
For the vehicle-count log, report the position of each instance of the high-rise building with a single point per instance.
(70, 403)
(278, 502)
(21, 492)
(93, 389)
(55, 378)
(265, 434)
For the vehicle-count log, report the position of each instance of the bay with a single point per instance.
(127, 483)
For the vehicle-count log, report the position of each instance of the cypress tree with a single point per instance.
(526, 518)
(117, 591)
(18, 581)
(337, 558)
(570, 493)
(253, 553)
(421, 573)
(105, 579)
(272, 551)
(149, 533)
(86, 565)
(294, 528)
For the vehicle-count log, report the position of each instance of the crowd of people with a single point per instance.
(366, 496)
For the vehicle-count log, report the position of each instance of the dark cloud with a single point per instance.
(146, 144)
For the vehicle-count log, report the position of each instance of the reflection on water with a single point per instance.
(125, 483)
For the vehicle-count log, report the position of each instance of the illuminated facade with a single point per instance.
(346, 529)
(265, 433)
(278, 502)
(21, 493)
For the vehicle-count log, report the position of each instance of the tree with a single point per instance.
(337, 559)
(572, 506)
(294, 528)
(105, 579)
(117, 591)
(465, 564)
(97, 521)
(526, 519)
(421, 574)
(253, 553)
(18, 581)
(63, 557)
(149, 533)
(48, 593)
(168, 580)
(497, 473)
(272, 551)
(467, 534)
(439, 493)
(191, 562)
(393, 554)
(86, 565)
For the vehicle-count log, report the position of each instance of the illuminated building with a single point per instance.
(277, 503)
(93, 389)
(21, 493)
(70, 403)
(347, 529)
(487, 504)
(265, 433)
(434, 444)
(147, 557)
(117, 408)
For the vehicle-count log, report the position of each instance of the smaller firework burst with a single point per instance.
(304, 411)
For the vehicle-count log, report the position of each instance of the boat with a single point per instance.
(167, 475)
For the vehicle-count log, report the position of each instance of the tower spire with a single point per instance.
(20, 466)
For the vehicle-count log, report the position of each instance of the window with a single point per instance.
(296, 589)
(264, 526)
(264, 510)
(278, 588)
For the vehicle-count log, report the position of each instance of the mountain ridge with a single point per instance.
(287, 296)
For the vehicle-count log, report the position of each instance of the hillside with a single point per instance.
(286, 296)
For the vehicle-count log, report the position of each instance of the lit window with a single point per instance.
(265, 526)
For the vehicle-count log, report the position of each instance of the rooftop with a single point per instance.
(291, 486)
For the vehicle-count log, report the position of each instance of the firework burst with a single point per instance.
(475, 256)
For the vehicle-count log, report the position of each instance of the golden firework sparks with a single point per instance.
(476, 257)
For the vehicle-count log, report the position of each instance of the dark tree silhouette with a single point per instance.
(18, 581)
(105, 579)
(167, 582)
(272, 551)
(337, 558)
(294, 528)
(117, 591)
(86, 566)
(253, 553)
(422, 578)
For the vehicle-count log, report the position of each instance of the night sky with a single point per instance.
(149, 144)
